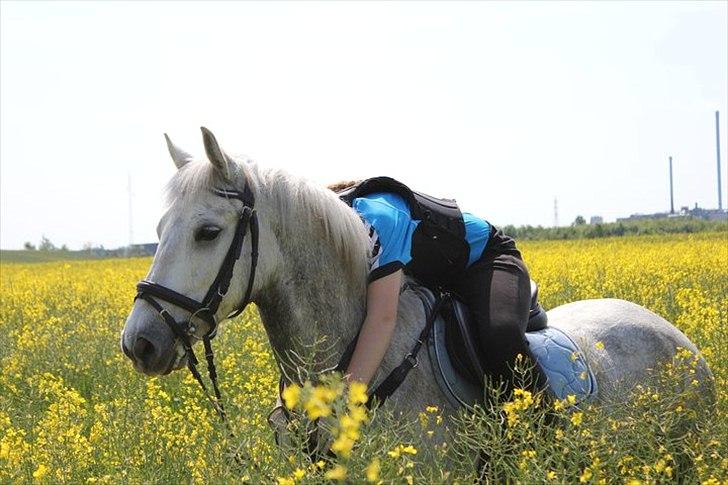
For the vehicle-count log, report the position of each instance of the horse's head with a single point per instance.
(197, 235)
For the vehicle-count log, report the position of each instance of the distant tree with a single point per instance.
(621, 228)
(29, 246)
(579, 221)
(64, 248)
(511, 230)
(46, 244)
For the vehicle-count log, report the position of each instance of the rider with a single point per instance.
(441, 247)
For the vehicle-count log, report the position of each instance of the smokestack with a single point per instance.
(717, 155)
(672, 206)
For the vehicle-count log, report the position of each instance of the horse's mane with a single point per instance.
(298, 202)
(194, 177)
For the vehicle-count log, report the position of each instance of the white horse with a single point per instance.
(311, 283)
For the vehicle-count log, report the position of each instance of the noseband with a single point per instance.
(207, 308)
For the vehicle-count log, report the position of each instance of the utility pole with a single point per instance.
(556, 212)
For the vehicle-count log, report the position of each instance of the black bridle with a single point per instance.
(207, 308)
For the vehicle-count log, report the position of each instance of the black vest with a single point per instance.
(439, 248)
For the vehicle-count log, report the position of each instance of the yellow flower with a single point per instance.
(349, 426)
(286, 481)
(586, 475)
(291, 395)
(325, 394)
(319, 402)
(336, 473)
(358, 414)
(372, 471)
(423, 418)
(599, 345)
(40, 472)
(710, 481)
(299, 473)
(397, 451)
(577, 418)
(81, 304)
(358, 393)
(571, 398)
(551, 475)
(511, 413)
(342, 446)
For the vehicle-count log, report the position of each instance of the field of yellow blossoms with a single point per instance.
(72, 409)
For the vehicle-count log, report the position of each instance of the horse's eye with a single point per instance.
(207, 233)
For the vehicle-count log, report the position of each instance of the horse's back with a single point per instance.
(623, 342)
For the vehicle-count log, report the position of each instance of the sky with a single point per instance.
(503, 106)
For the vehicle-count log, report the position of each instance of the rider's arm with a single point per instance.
(377, 329)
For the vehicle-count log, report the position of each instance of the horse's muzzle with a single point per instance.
(149, 344)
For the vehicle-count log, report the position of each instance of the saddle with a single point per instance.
(453, 349)
(462, 342)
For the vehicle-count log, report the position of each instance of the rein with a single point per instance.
(207, 308)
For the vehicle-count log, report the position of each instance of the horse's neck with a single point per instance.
(312, 290)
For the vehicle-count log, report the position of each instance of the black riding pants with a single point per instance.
(497, 291)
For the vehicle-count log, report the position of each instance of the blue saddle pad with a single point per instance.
(563, 362)
(559, 356)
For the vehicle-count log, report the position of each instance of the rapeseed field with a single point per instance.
(73, 410)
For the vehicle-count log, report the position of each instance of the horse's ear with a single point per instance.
(217, 157)
(179, 156)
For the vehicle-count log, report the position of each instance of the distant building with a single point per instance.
(596, 220)
(708, 214)
(685, 211)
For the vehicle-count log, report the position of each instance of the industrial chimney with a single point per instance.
(672, 206)
(717, 155)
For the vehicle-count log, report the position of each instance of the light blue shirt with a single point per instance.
(387, 218)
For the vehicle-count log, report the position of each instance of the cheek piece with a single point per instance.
(206, 310)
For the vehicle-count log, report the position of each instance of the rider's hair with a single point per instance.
(342, 185)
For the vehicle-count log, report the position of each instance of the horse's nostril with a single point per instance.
(125, 349)
(143, 349)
